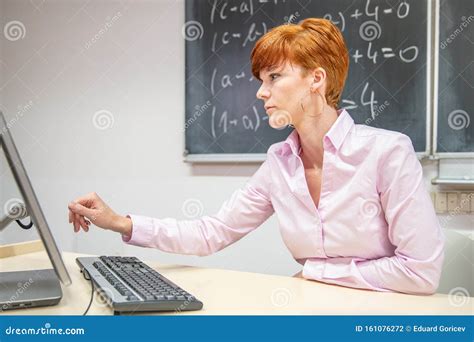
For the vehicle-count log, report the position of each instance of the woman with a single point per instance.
(349, 198)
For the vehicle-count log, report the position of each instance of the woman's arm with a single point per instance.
(247, 209)
(413, 229)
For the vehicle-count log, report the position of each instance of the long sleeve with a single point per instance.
(413, 229)
(247, 209)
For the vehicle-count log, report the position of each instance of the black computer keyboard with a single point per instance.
(132, 286)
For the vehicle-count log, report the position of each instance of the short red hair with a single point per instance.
(311, 43)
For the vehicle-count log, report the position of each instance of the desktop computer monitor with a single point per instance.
(44, 287)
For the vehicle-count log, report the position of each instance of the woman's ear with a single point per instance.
(319, 76)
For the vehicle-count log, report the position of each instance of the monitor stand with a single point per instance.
(25, 289)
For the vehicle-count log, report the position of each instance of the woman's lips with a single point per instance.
(267, 109)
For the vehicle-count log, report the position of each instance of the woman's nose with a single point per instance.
(262, 93)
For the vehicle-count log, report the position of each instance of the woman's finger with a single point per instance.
(75, 223)
(78, 220)
(83, 223)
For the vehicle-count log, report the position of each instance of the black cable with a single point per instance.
(25, 226)
(92, 292)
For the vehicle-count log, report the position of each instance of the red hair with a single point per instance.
(311, 43)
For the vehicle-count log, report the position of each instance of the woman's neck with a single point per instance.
(311, 131)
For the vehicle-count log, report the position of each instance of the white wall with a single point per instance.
(135, 70)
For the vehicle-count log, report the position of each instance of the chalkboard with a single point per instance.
(386, 86)
(455, 131)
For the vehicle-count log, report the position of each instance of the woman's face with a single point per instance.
(284, 89)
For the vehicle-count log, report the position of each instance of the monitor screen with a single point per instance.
(31, 202)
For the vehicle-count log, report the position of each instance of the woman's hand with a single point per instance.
(91, 208)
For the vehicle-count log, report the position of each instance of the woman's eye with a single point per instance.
(273, 76)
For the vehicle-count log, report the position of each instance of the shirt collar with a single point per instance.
(335, 135)
(338, 131)
(291, 144)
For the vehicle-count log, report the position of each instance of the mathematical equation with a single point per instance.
(227, 37)
(220, 123)
(371, 30)
(364, 22)
(221, 9)
(367, 99)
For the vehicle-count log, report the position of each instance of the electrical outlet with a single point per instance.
(441, 205)
(465, 200)
(454, 203)
(452, 198)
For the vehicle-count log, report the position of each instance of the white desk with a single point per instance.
(225, 292)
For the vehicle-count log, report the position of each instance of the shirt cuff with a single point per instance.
(142, 231)
(314, 269)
